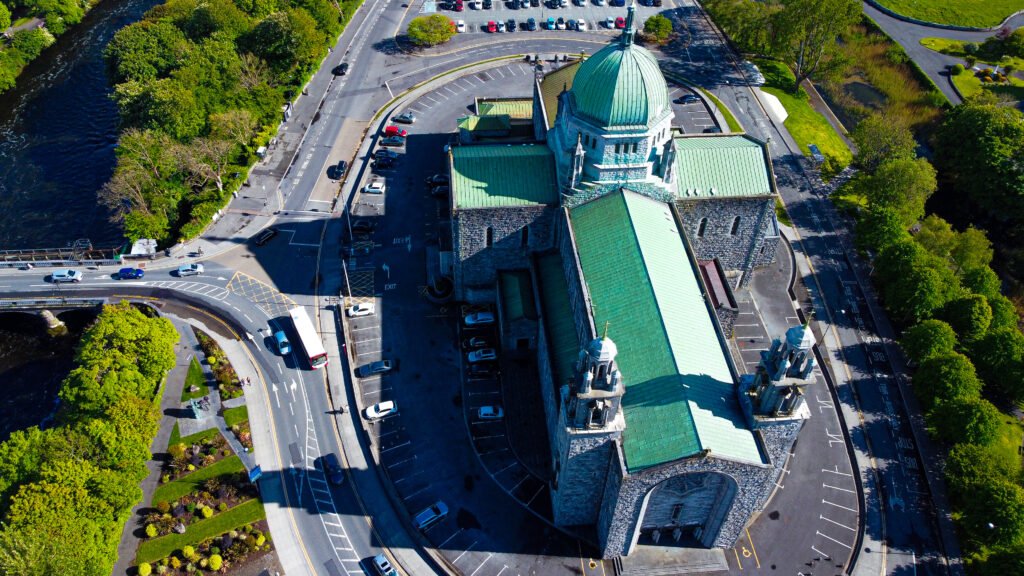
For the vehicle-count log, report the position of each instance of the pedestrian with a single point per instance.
(247, 381)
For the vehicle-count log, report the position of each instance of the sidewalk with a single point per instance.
(169, 403)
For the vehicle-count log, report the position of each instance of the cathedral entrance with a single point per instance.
(686, 510)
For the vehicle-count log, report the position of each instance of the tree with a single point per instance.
(975, 421)
(929, 338)
(920, 293)
(749, 23)
(946, 377)
(32, 42)
(430, 30)
(807, 32)
(981, 280)
(999, 357)
(970, 464)
(994, 512)
(880, 227)
(969, 316)
(235, 126)
(207, 160)
(936, 236)
(972, 249)
(880, 138)
(902, 184)
(145, 51)
(5, 17)
(173, 108)
(1004, 313)
(658, 27)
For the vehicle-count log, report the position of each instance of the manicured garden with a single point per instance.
(989, 66)
(195, 382)
(975, 13)
(227, 379)
(237, 420)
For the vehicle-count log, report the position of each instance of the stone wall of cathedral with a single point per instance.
(741, 232)
(486, 240)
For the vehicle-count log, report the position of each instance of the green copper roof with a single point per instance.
(717, 166)
(490, 176)
(553, 84)
(621, 85)
(563, 342)
(515, 108)
(517, 295)
(680, 396)
(485, 123)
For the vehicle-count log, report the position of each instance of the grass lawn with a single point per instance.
(154, 549)
(1005, 447)
(781, 214)
(195, 377)
(188, 440)
(734, 124)
(237, 415)
(173, 490)
(969, 85)
(976, 13)
(804, 124)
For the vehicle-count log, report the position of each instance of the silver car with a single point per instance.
(190, 270)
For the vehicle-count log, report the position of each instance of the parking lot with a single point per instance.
(596, 15)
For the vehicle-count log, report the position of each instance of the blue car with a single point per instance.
(130, 273)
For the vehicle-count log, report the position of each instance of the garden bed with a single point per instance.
(223, 372)
(194, 453)
(203, 536)
(195, 382)
(237, 420)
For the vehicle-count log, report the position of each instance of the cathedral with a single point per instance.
(610, 244)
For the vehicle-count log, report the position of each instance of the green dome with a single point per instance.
(620, 85)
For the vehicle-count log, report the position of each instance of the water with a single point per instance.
(58, 129)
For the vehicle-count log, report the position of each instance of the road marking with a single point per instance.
(823, 501)
(468, 548)
(848, 547)
(823, 555)
(823, 485)
(752, 548)
(836, 471)
(836, 523)
(457, 532)
(482, 564)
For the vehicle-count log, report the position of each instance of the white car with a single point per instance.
(479, 319)
(482, 355)
(190, 270)
(383, 566)
(361, 309)
(581, 25)
(460, 25)
(375, 187)
(490, 412)
(609, 22)
(501, 26)
(381, 410)
(66, 275)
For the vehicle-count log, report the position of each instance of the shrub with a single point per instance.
(260, 540)
(175, 563)
(188, 552)
(191, 507)
(214, 550)
(163, 507)
(165, 478)
(207, 512)
(145, 569)
(151, 530)
(958, 69)
(222, 506)
(176, 450)
(971, 48)
(162, 569)
(216, 562)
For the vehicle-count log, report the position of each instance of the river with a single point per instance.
(58, 129)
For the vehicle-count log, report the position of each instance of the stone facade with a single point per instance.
(486, 240)
(713, 230)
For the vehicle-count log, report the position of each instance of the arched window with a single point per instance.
(490, 236)
(618, 148)
(702, 227)
(735, 225)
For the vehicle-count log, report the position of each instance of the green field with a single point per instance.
(237, 415)
(162, 547)
(195, 377)
(976, 13)
(193, 439)
(804, 124)
(187, 484)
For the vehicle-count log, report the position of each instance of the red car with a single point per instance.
(492, 27)
(395, 131)
(458, 6)
(620, 22)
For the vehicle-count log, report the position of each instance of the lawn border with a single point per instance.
(204, 473)
(913, 20)
(195, 533)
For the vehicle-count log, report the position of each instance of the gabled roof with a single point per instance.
(491, 176)
(721, 166)
(680, 395)
(552, 85)
(491, 123)
(515, 108)
(563, 341)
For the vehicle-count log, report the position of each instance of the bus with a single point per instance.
(308, 337)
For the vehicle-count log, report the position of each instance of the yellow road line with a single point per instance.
(752, 547)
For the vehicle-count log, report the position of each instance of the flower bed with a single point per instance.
(186, 459)
(227, 379)
(191, 482)
(237, 419)
(236, 536)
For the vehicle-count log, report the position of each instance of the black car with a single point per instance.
(510, 25)
(687, 99)
(383, 164)
(383, 153)
(475, 342)
(362, 226)
(396, 141)
(437, 179)
(337, 171)
(483, 370)
(531, 24)
(340, 69)
(440, 191)
(332, 469)
(264, 236)
(488, 4)
(535, 3)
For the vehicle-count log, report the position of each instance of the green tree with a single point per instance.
(944, 378)
(5, 17)
(969, 316)
(1004, 313)
(658, 27)
(929, 338)
(920, 293)
(880, 138)
(32, 42)
(936, 236)
(975, 421)
(430, 30)
(172, 108)
(897, 259)
(972, 249)
(994, 513)
(145, 51)
(902, 184)
(879, 227)
(806, 32)
(999, 357)
(969, 465)
(981, 280)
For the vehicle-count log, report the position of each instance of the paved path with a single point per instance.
(168, 406)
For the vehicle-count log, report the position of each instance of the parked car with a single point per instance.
(375, 187)
(501, 25)
(479, 318)
(281, 340)
(362, 226)
(340, 69)
(483, 370)
(395, 141)
(190, 270)
(535, 3)
(337, 171)
(531, 24)
(492, 26)
(361, 309)
(130, 273)
(482, 355)
(66, 275)
(381, 410)
(488, 4)
(406, 117)
(383, 163)
(609, 22)
(560, 23)
(383, 566)
(474, 342)
(385, 153)
(440, 191)
(687, 99)
(458, 6)
(437, 179)
(332, 469)
(374, 368)
(430, 515)
(490, 412)
(551, 23)
(460, 25)
(510, 25)
(581, 25)
(395, 131)
(620, 23)
(264, 236)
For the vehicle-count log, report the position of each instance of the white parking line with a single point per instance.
(823, 501)
(468, 548)
(847, 546)
(836, 523)
(482, 564)
(457, 532)
(823, 485)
